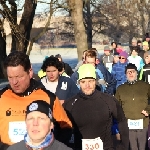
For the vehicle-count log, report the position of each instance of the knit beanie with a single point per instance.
(86, 71)
(41, 106)
(124, 54)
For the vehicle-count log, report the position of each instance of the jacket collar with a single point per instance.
(34, 85)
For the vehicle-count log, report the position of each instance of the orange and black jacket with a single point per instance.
(13, 106)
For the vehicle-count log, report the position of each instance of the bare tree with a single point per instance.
(21, 31)
(76, 9)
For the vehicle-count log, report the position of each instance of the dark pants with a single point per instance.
(138, 139)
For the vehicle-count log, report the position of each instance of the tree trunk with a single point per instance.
(76, 7)
(89, 24)
(14, 16)
(21, 32)
(2, 51)
(25, 25)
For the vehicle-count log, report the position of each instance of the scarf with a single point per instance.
(132, 82)
(45, 143)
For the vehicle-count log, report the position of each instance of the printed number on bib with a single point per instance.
(92, 144)
(17, 130)
(135, 124)
(109, 65)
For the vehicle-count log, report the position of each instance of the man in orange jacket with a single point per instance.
(20, 92)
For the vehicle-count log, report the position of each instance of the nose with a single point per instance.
(87, 84)
(14, 81)
(35, 122)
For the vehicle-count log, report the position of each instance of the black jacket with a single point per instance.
(68, 69)
(92, 117)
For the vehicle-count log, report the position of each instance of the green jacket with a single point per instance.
(133, 99)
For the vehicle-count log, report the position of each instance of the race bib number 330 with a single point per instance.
(92, 144)
(17, 130)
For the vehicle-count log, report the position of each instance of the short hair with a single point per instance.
(90, 53)
(52, 61)
(136, 48)
(113, 43)
(94, 49)
(17, 58)
(85, 51)
(139, 41)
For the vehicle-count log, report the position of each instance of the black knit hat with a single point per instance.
(130, 66)
(41, 106)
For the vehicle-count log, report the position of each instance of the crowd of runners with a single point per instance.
(103, 104)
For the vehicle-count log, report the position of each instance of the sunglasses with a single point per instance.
(121, 58)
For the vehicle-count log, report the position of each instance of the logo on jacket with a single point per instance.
(11, 112)
(64, 86)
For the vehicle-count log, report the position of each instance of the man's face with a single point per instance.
(18, 78)
(147, 39)
(131, 75)
(87, 86)
(38, 126)
(107, 52)
(147, 59)
(52, 73)
(134, 43)
(90, 60)
(139, 44)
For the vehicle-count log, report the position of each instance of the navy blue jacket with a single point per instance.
(66, 88)
(108, 77)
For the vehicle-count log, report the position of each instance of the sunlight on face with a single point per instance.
(38, 126)
(52, 73)
(18, 78)
(131, 75)
(87, 86)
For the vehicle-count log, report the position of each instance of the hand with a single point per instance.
(144, 113)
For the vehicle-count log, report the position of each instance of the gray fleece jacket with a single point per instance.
(55, 145)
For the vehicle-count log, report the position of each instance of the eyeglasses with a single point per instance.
(121, 58)
(132, 71)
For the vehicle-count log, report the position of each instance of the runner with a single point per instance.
(67, 68)
(118, 69)
(133, 97)
(39, 124)
(22, 91)
(107, 58)
(106, 81)
(91, 113)
(63, 87)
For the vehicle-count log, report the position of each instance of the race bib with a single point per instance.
(149, 79)
(109, 65)
(135, 124)
(92, 144)
(17, 130)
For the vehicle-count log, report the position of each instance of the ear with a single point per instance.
(51, 126)
(31, 72)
